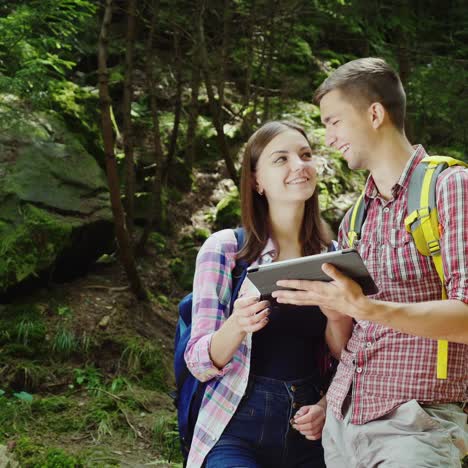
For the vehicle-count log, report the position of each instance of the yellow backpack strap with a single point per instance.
(423, 224)
(356, 221)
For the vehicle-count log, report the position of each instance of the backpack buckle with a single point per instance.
(424, 212)
(434, 247)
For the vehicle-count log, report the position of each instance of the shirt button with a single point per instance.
(368, 344)
(359, 370)
(386, 209)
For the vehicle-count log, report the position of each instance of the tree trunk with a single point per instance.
(127, 119)
(250, 53)
(214, 108)
(123, 239)
(258, 72)
(270, 59)
(404, 61)
(224, 58)
(155, 216)
(193, 111)
(177, 110)
(249, 117)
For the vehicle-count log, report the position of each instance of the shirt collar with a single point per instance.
(370, 189)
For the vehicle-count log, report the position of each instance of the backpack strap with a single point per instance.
(238, 274)
(423, 224)
(357, 217)
(240, 269)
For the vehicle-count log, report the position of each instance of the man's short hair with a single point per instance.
(365, 81)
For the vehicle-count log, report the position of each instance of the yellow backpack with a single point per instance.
(423, 224)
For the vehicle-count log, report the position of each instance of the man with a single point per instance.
(386, 406)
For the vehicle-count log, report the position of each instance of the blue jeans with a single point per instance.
(260, 434)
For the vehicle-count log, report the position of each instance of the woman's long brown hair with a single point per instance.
(314, 235)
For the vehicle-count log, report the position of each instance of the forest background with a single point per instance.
(121, 127)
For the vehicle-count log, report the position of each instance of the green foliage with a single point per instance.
(102, 416)
(79, 108)
(158, 241)
(201, 234)
(166, 439)
(144, 361)
(119, 384)
(305, 114)
(64, 311)
(29, 373)
(55, 404)
(57, 414)
(32, 454)
(227, 214)
(437, 109)
(86, 342)
(36, 44)
(163, 300)
(24, 396)
(14, 415)
(23, 325)
(64, 342)
(90, 378)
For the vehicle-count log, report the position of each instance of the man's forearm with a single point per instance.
(446, 319)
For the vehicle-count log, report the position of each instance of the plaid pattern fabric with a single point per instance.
(211, 299)
(385, 367)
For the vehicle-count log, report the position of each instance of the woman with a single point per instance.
(265, 363)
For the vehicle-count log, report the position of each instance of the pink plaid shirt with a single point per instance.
(211, 299)
(385, 367)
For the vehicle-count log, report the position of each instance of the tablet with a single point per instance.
(348, 261)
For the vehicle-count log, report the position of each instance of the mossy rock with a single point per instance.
(54, 203)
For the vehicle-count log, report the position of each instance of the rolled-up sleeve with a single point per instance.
(211, 299)
(452, 207)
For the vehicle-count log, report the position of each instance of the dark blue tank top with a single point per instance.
(291, 345)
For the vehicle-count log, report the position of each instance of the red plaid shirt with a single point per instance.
(384, 367)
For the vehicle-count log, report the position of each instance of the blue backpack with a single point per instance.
(190, 391)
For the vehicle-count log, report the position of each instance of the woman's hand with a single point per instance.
(249, 314)
(309, 421)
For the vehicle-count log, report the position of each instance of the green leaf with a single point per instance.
(24, 396)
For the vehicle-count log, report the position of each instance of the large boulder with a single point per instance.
(54, 204)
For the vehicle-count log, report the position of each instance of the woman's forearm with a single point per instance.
(337, 334)
(225, 342)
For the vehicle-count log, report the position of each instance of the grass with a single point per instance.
(35, 455)
(144, 360)
(166, 438)
(64, 342)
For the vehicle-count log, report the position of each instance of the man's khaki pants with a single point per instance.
(411, 436)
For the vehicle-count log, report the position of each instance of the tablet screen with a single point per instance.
(348, 261)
